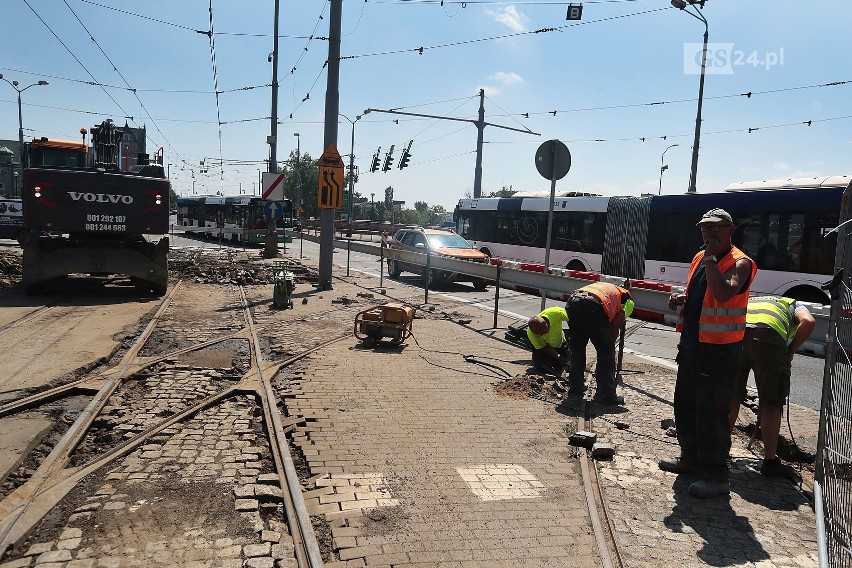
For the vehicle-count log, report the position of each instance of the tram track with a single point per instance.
(23, 509)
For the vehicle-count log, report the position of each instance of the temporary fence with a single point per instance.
(833, 479)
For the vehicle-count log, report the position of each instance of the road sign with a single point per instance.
(273, 210)
(575, 12)
(330, 192)
(544, 160)
(273, 187)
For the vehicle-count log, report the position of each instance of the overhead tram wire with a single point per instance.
(138, 90)
(123, 78)
(421, 49)
(187, 28)
(745, 130)
(75, 57)
(295, 66)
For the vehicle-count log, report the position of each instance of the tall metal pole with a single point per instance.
(271, 245)
(693, 175)
(549, 216)
(298, 169)
(480, 133)
(16, 191)
(332, 106)
(351, 180)
(696, 13)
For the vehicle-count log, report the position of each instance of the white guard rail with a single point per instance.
(651, 298)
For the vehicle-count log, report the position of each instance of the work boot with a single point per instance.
(576, 390)
(679, 465)
(777, 468)
(612, 400)
(705, 489)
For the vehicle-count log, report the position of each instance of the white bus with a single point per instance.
(784, 225)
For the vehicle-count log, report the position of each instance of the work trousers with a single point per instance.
(702, 403)
(589, 323)
(548, 365)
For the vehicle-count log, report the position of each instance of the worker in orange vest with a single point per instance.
(712, 322)
(596, 313)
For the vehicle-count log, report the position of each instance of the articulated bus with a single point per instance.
(212, 212)
(784, 225)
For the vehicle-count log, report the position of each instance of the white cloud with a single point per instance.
(506, 77)
(510, 17)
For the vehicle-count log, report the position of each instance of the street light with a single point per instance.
(14, 85)
(663, 167)
(298, 176)
(351, 173)
(695, 13)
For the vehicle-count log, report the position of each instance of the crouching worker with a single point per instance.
(550, 350)
(775, 329)
(597, 312)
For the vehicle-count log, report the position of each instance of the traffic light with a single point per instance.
(388, 159)
(374, 167)
(406, 155)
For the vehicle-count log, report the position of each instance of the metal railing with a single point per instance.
(556, 284)
(833, 478)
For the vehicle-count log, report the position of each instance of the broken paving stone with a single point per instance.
(603, 451)
(246, 505)
(583, 439)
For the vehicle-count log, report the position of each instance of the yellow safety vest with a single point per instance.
(772, 311)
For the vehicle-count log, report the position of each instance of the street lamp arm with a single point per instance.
(470, 120)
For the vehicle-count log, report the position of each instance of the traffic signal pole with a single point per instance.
(332, 107)
(270, 249)
(480, 126)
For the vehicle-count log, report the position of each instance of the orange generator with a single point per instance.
(392, 320)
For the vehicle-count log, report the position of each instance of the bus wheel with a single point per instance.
(393, 269)
(576, 265)
(808, 294)
(480, 285)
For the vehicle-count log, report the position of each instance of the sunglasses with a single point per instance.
(714, 228)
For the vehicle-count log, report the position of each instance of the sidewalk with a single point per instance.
(419, 460)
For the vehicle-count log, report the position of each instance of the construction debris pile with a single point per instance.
(227, 267)
(10, 267)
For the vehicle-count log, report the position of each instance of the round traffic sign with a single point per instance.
(553, 160)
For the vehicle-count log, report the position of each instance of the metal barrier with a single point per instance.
(833, 478)
(651, 298)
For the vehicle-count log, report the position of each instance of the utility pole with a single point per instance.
(271, 244)
(332, 108)
(480, 127)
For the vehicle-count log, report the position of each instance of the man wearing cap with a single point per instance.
(775, 329)
(548, 340)
(712, 321)
(597, 312)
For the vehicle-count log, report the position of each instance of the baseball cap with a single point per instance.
(716, 216)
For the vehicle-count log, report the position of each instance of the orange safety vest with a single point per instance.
(720, 322)
(609, 295)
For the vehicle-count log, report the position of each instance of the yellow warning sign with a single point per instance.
(330, 191)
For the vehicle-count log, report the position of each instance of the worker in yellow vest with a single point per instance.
(775, 329)
(550, 350)
(597, 312)
(712, 323)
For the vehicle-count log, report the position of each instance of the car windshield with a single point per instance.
(448, 241)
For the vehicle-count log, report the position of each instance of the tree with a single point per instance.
(504, 192)
(306, 172)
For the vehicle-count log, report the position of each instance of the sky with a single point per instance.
(619, 88)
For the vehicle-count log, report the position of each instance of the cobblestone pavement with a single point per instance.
(422, 464)
(409, 453)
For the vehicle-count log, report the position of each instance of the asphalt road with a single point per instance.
(645, 338)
